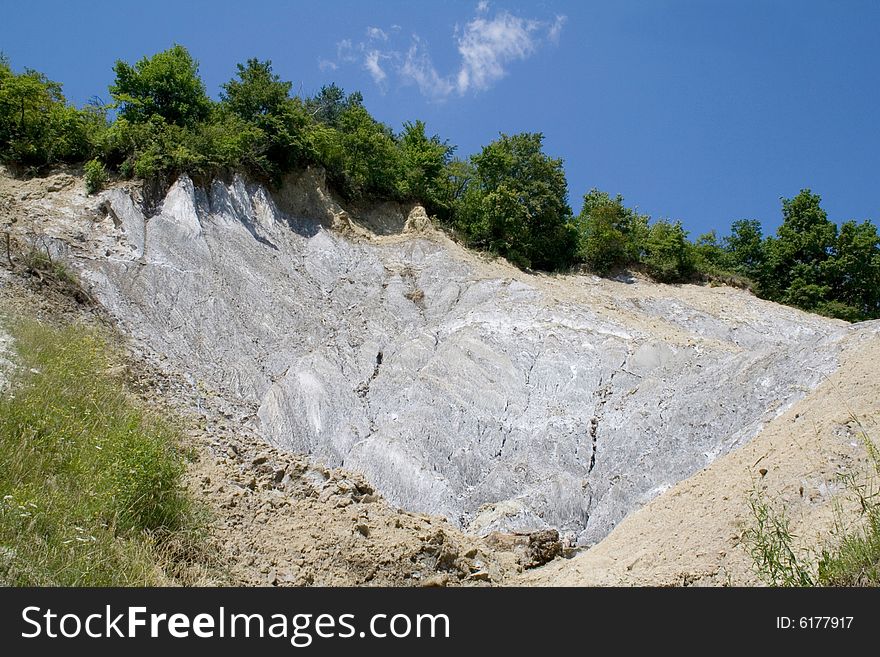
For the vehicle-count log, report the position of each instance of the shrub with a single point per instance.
(668, 255)
(610, 235)
(95, 175)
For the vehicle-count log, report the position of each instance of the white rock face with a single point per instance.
(457, 386)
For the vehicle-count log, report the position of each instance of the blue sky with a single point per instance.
(701, 110)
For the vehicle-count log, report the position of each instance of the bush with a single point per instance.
(95, 175)
(610, 235)
(669, 257)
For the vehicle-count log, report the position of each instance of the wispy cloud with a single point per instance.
(371, 63)
(556, 29)
(377, 34)
(419, 69)
(486, 45)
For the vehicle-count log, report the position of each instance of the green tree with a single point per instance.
(423, 163)
(853, 274)
(360, 155)
(516, 205)
(279, 139)
(709, 254)
(37, 126)
(610, 234)
(745, 247)
(328, 105)
(257, 92)
(669, 256)
(795, 270)
(166, 85)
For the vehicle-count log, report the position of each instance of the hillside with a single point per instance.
(455, 385)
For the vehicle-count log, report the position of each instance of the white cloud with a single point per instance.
(556, 29)
(376, 34)
(417, 67)
(487, 46)
(345, 52)
(371, 63)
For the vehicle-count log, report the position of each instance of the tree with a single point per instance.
(166, 85)
(423, 163)
(610, 234)
(328, 105)
(745, 247)
(360, 155)
(37, 126)
(516, 205)
(280, 126)
(795, 259)
(853, 274)
(710, 257)
(257, 92)
(668, 255)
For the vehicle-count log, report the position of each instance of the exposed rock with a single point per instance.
(544, 546)
(417, 221)
(504, 400)
(532, 549)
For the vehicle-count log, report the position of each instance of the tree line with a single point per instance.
(510, 199)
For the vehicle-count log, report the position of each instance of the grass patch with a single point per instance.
(90, 482)
(854, 559)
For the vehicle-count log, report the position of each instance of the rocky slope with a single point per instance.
(455, 385)
(799, 464)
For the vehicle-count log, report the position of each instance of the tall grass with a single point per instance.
(853, 559)
(90, 483)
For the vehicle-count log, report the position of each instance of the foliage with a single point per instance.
(744, 247)
(516, 204)
(812, 265)
(90, 487)
(37, 126)
(95, 175)
(853, 274)
(166, 85)
(328, 105)
(360, 156)
(279, 125)
(611, 235)
(668, 255)
(509, 199)
(423, 163)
